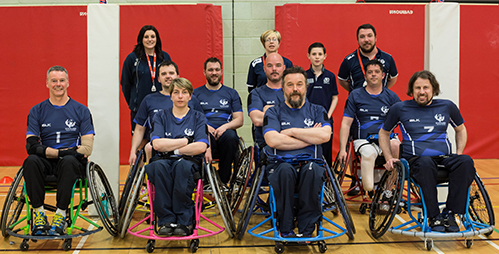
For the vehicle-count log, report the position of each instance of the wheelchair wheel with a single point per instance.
(249, 204)
(480, 207)
(103, 198)
(132, 201)
(14, 203)
(386, 201)
(340, 169)
(221, 199)
(341, 204)
(129, 181)
(240, 180)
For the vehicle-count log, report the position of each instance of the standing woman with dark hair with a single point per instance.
(138, 76)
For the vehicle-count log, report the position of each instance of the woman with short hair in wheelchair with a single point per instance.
(179, 138)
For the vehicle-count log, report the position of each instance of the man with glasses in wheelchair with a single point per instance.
(425, 144)
(366, 108)
(293, 130)
(59, 138)
(180, 137)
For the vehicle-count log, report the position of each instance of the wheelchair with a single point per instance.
(353, 162)
(208, 174)
(17, 214)
(332, 188)
(393, 198)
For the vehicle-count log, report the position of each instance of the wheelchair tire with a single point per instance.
(386, 201)
(221, 199)
(129, 181)
(340, 169)
(480, 208)
(341, 204)
(250, 202)
(14, 204)
(103, 198)
(240, 181)
(132, 201)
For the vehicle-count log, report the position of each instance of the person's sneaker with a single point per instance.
(354, 191)
(384, 208)
(450, 222)
(437, 223)
(289, 234)
(41, 225)
(182, 230)
(167, 229)
(58, 226)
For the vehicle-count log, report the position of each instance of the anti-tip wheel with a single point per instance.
(468, 243)
(194, 245)
(150, 246)
(67, 244)
(24, 245)
(363, 208)
(279, 247)
(428, 244)
(322, 247)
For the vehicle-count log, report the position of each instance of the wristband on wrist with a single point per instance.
(175, 152)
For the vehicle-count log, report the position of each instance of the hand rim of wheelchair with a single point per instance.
(129, 182)
(221, 199)
(240, 181)
(9, 200)
(110, 222)
(379, 228)
(132, 201)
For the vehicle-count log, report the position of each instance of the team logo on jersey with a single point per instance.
(382, 61)
(374, 118)
(168, 134)
(384, 110)
(46, 125)
(285, 123)
(270, 102)
(310, 80)
(203, 103)
(326, 81)
(308, 122)
(70, 123)
(188, 132)
(350, 56)
(224, 103)
(440, 118)
(363, 110)
(414, 120)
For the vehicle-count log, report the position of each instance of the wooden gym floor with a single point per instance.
(102, 242)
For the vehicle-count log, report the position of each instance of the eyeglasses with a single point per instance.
(271, 40)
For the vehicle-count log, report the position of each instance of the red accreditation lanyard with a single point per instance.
(263, 61)
(360, 62)
(153, 71)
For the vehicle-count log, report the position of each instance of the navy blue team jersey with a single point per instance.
(321, 89)
(156, 102)
(166, 125)
(424, 128)
(282, 117)
(256, 74)
(259, 98)
(218, 105)
(368, 111)
(351, 71)
(60, 127)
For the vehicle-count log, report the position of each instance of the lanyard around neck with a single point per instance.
(153, 71)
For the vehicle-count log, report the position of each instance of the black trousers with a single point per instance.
(461, 174)
(173, 184)
(67, 170)
(224, 149)
(306, 181)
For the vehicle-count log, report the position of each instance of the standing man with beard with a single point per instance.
(423, 122)
(266, 96)
(224, 114)
(296, 128)
(351, 73)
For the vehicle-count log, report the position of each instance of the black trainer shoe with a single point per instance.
(355, 191)
(437, 223)
(182, 230)
(166, 229)
(450, 222)
(41, 225)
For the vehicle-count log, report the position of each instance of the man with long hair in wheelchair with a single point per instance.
(425, 145)
(366, 108)
(293, 130)
(179, 137)
(59, 138)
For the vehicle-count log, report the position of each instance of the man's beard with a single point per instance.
(274, 79)
(297, 103)
(369, 50)
(213, 83)
(422, 104)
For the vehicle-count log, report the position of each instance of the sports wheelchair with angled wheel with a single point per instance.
(149, 230)
(400, 192)
(323, 232)
(18, 218)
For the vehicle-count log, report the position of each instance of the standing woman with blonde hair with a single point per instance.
(138, 75)
(270, 39)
